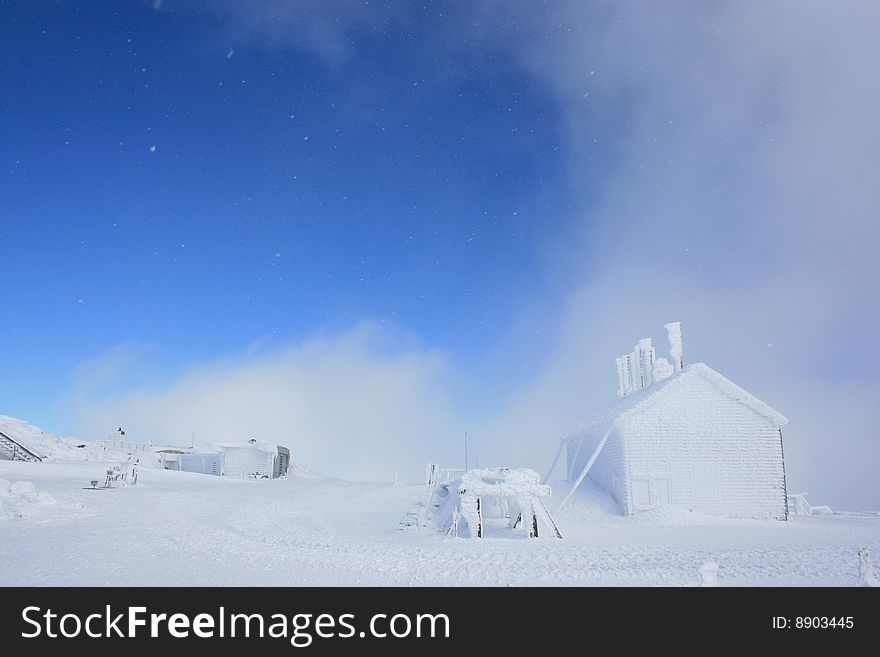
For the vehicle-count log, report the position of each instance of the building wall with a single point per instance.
(698, 448)
(201, 463)
(282, 462)
(609, 470)
(247, 461)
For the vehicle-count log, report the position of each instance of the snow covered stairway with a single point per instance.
(433, 474)
(15, 451)
(422, 514)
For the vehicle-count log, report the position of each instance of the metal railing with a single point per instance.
(15, 450)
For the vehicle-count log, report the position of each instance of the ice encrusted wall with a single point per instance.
(697, 447)
(246, 461)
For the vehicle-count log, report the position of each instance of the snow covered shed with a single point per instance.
(253, 458)
(245, 460)
(685, 436)
(250, 459)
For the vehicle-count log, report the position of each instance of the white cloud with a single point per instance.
(355, 405)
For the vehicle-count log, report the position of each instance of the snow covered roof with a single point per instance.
(261, 445)
(638, 401)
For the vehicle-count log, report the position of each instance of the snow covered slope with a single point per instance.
(53, 448)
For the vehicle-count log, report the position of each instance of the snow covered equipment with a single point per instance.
(115, 473)
(485, 500)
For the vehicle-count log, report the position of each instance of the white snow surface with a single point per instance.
(181, 529)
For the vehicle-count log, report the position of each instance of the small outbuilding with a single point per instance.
(251, 459)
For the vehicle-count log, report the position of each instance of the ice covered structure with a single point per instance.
(256, 459)
(692, 438)
(478, 502)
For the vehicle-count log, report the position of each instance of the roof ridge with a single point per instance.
(638, 401)
(740, 394)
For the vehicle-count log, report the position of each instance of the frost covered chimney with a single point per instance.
(646, 351)
(635, 369)
(628, 385)
(641, 368)
(676, 351)
(621, 377)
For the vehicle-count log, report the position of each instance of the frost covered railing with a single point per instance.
(466, 502)
(15, 451)
(798, 506)
(128, 446)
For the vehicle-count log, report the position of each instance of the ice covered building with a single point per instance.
(682, 435)
(254, 459)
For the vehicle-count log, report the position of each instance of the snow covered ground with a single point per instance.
(177, 528)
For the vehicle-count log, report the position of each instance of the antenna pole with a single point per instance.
(465, 451)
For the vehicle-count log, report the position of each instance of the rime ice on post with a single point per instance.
(676, 351)
(470, 510)
(453, 523)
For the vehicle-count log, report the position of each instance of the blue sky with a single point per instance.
(286, 193)
(372, 226)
